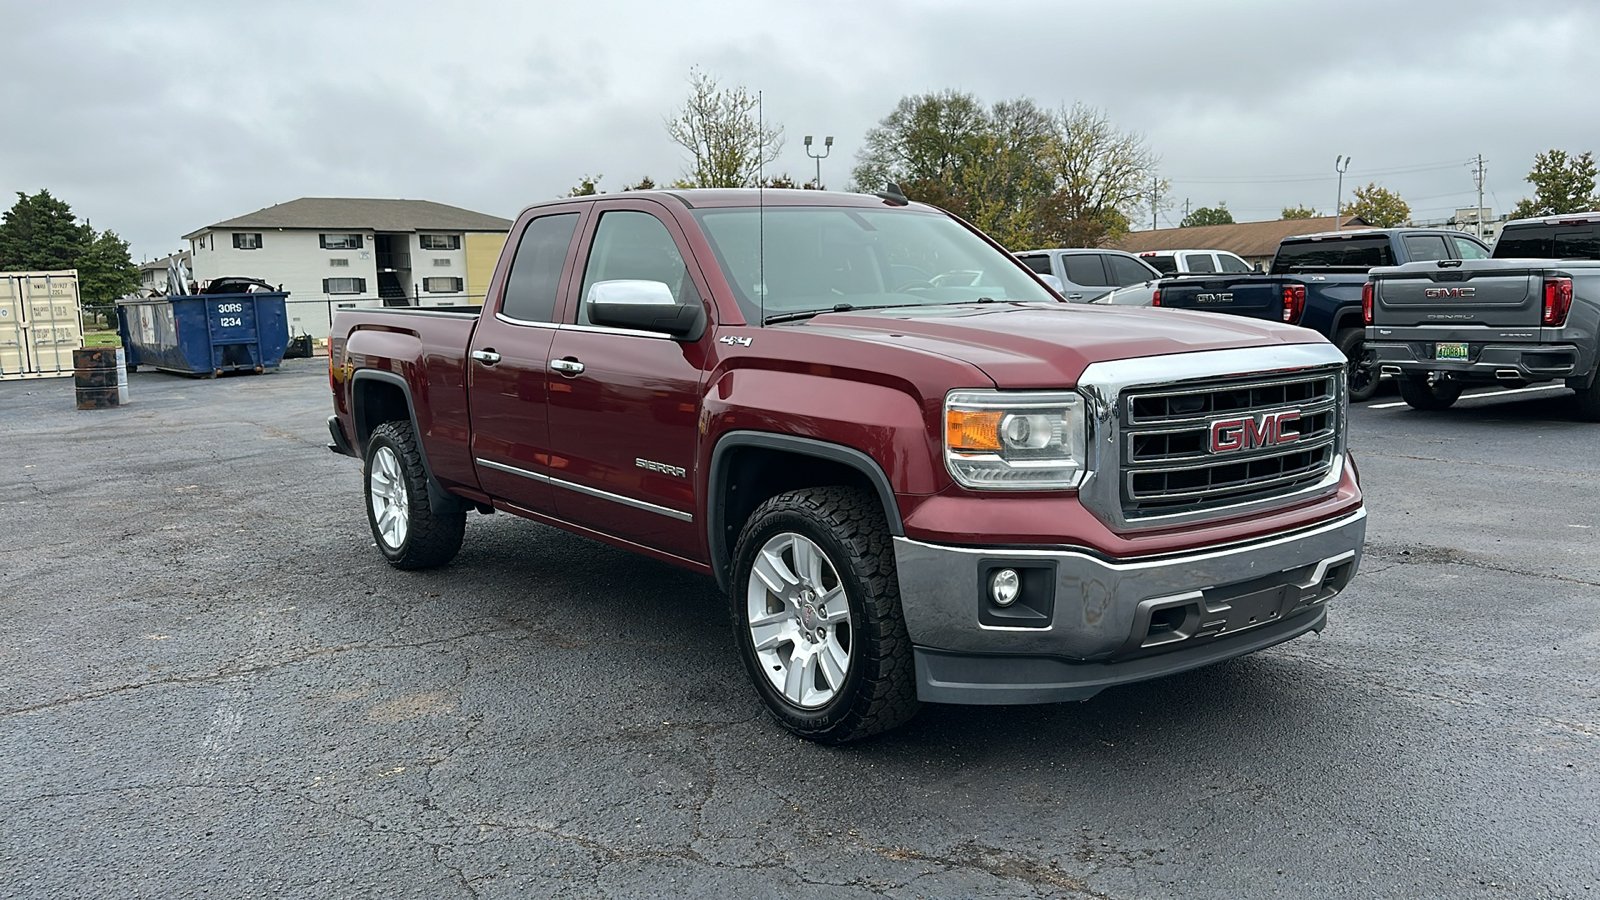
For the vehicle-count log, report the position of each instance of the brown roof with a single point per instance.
(1251, 240)
(378, 215)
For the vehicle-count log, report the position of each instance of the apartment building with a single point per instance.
(334, 253)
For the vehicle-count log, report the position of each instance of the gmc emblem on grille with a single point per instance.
(1265, 430)
(1447, 293)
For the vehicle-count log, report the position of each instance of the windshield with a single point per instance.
(819, 259)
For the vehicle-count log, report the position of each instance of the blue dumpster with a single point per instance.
(205, 335)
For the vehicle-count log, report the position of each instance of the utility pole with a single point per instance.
(1477, 175)
(1155, 201)
(1186, 209)
(1338, 201)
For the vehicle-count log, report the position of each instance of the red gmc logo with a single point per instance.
(1265, 430)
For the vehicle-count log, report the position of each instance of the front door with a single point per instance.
(625, 405)
(507, 364)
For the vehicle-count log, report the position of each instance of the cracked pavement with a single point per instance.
(211, 685)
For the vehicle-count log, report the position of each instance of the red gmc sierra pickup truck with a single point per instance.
(919, 474)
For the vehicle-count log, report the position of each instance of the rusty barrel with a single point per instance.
(100, 376)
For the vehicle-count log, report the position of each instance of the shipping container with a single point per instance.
(41, 323)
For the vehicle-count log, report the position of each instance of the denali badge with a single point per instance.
(1265, 430)
(663, 468)
(1446, 293)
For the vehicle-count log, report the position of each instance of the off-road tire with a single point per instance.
(1419, 393)
(431, 539)
(1589, 401)
(848, 525)
(1361, 373)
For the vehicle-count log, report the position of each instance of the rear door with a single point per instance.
(1085, 276)
(508, 359)
(625, 404)
(1467, 294)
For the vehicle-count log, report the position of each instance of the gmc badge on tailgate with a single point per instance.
(1448, 293)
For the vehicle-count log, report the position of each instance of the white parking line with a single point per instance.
(1526, 390)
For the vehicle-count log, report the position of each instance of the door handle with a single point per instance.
(1074, 296)
(566, 366)
(487, 357)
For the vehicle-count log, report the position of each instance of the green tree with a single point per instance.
(106, 272)
(1561, 184)
(1027, 176)
(1298, 212)
(40, 233)
(1380, 206)
(721, 129)
(1208, 215)
(587, 186)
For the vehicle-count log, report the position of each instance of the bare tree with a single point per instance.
(720, 128)
(1102, 175)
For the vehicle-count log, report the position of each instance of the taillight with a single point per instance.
(1366, 303)
(1155, 298)
(1557, 300)
(1294, 302)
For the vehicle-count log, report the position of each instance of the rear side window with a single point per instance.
(530, 294)
(1166, 265)
(1126, 271)
(1199, 263)
(1040, 264)
(1423, 247)
(1337, 253)
(1469, 249)
(1526, 242)
(1234, 265)
(1085, 269)
(1577, 243)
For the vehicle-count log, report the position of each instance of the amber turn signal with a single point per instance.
(973, 431)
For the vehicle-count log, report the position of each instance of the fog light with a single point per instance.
(1004, 587)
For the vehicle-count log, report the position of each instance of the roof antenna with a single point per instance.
(761, 205)
(893, 194)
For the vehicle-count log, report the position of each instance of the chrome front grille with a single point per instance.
(1169, 466)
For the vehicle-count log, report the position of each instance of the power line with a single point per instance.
(1287, 179)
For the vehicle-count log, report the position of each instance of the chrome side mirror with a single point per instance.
(644, 306)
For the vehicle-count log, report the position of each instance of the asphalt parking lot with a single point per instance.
(212, 685)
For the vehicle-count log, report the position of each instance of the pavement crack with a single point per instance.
(1000, 864)
(239, 671)
(1413, 554)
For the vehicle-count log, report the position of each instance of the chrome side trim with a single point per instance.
(593, 492)
(512, 470)
(625, 501)
(525, 322)
(625, 332)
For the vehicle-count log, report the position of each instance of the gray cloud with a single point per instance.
(159, 119)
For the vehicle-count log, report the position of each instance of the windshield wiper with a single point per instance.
(837, 307)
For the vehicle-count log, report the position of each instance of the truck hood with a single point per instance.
(1028, 345)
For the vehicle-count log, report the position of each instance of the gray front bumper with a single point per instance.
(1113, 622)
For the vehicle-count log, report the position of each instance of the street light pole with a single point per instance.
(1337, 201)
(827, 147)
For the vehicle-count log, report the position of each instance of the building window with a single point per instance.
(246, 241)
(441, 285)
(339, 261)
(440, 241)
(441, 261)
(344, 285)
(340, 241)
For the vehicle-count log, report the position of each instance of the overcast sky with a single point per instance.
(154, 119)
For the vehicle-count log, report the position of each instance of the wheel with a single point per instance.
(1361, 371)
(1589, 401)
(816, 614)
(408, 531)
(1421, 390)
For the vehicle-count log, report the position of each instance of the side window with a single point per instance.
(1526, 242)
(1166, 265)
(1233, 265)
(1468, 249)
(1085, 269)
(1422, 247)
(635, 246)
(1199, 263)
(1578, 243)
(535, 278)
(1040, 264)
(1125, 271)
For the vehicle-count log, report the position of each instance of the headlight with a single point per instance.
(1018, 441)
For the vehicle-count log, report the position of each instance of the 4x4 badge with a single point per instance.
(730, 340)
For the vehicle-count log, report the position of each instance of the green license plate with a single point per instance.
(1450, 351)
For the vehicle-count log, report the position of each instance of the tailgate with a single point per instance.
(1259, 297)
(1474, 292)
